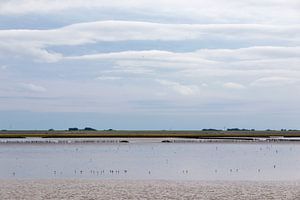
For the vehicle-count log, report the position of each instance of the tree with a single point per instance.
(89, 129)
(73, 129)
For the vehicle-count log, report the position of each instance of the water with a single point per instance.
(151, 160)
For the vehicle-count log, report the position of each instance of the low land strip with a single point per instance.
(146, 134)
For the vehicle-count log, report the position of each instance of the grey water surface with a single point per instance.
(152, 160)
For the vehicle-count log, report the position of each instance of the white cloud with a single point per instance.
(209, 56)
(200, 55)
(236, 68)
(32, 87)
(268, 56)
(144, 55)
(35, 43)
(28, 52)
(151, 58)
(244, 63)
(41, 55)
(91, 32)
(274, 81)
(231, 85)
(108, 78)
(180, 88)
(3, 67)
(251, 53)
(268, 11)
(129, 71)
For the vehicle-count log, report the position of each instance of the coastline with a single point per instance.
(187, 134)
(134, 140)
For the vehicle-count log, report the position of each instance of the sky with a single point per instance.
(149, 64)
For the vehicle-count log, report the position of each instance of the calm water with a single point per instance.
(152, 160)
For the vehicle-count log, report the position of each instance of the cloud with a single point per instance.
(180, 88)
(243, 64)
(3, 67)
(36, 43)
(209, 56)
(151, 58)
(251, 53)
(231, 85)
(112, 31)
(274, 81)
(172, 56)
(47, 6)
(28, 52)
(272, 55)
(32, 87)
(221, 11)
(129, 71)
(108, 78)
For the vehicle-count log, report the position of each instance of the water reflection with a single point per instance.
(171, 161)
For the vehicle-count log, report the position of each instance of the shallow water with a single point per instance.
(151, 160)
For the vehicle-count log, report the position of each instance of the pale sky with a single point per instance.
(149, 64)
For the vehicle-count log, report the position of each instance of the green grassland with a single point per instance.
(144, 134)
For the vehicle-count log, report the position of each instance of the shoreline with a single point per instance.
(196, 134)
(115, 140)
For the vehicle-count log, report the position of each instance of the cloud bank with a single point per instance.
(216, 58)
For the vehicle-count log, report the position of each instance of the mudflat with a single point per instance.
(138, 189)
